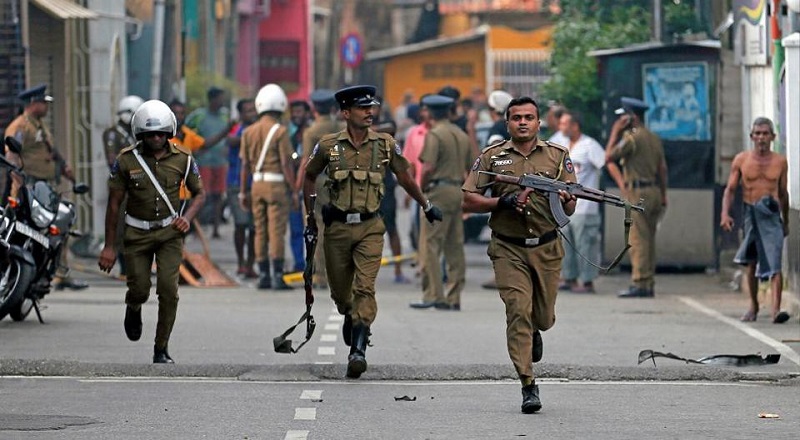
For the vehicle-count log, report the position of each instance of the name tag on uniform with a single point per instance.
(137, 174)
(353, 218)
(532, 241)
(499, 163)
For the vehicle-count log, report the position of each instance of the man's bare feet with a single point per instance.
(750, 316)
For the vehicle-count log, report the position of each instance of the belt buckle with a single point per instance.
(353, 218)
(532, 241)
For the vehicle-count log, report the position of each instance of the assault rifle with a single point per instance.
(552, 187)
(533, 182)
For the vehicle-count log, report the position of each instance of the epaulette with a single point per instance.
(182, 148)
(499, 143)
(553, 144)
(329, 137)
(384, 136)
(127, 149)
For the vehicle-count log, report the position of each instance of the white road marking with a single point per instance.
(305, 413)
(331, 326)
(323, 363)
(782, 348)
(515, 383)
(335, 318)
(311, 394)
(328, 337)
(326, 351)
(296, 435)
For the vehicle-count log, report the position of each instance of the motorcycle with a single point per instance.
(33, 231)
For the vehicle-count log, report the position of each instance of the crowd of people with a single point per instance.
(168, 168)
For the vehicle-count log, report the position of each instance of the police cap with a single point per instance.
(358, 96)
(323, 97)
(437, 102)
(631, 105)
(34, 94)
(450, 92)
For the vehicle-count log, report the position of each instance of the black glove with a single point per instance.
(508, 201)
(432, 213)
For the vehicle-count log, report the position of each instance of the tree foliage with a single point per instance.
(583, 26)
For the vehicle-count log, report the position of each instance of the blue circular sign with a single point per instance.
(351, 50)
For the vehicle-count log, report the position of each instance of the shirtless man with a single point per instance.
(763, 175)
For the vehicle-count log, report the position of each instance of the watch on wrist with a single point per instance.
(428, 206)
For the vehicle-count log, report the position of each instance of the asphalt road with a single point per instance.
(77, 376)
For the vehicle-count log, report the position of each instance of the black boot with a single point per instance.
(347, 329)
(264, 280)
(160, 356)
(277, 266)
(357, 361)
(530, 399)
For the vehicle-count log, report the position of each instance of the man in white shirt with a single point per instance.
(583, 230)
(553, 119)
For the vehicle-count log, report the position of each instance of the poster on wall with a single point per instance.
(677, 94)
(751, 43)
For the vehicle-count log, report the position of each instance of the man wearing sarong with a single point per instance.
(763, 176)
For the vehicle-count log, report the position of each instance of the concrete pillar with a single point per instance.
(792, 63)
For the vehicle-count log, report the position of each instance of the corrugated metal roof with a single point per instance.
(64, 9)
(477, 34)
(641, 47)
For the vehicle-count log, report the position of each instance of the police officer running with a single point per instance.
(152, 173)
(356, 160)
(266, 153)
(524, 249)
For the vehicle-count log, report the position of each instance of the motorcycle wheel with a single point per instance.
(15, 278)
(22, 311)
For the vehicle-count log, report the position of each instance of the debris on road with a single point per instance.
(768, 416)
(718, 359)
(405, 399)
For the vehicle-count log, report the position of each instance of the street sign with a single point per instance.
(351, 50)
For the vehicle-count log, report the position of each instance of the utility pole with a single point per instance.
(657, 21)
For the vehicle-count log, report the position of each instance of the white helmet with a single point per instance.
(271, 98)
(127, 106)
(499, 100)
(154, 115)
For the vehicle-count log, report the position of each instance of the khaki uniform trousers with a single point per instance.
(166, 245)
(527, 279)
(353, 255)
(445, 237)
(643, 236)
(270, 207)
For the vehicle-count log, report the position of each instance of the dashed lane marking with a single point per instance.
(311, 394)
(328, 337)
(331, 326)
(296, 435)
(782, 348)
(335, 318)
(305, 413)
(326, 351)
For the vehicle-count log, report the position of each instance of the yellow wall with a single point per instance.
(407, 72)
(507, 38)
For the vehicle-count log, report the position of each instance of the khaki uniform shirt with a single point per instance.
(447, 149)
(356, 173)
(37, 154)
(546, 159)
(252, 143)
(311, 136)
(640, 153)
(144, 201)
(116, 138)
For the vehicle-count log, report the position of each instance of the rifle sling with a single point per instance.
(627, 222)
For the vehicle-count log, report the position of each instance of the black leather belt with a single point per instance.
(640, 184)
(350, 218)
(529, 242)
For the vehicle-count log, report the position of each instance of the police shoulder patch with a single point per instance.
(195, 169)
(314, 151)
(477, 164)
(568, 165)
(115, 168)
